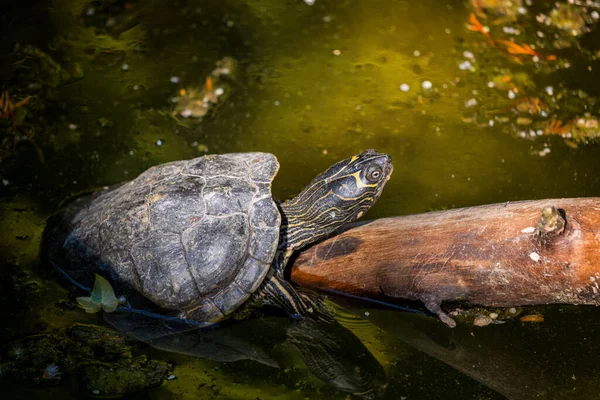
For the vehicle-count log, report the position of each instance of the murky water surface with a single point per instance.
(468, 118)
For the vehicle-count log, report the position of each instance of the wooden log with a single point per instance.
(509, 254)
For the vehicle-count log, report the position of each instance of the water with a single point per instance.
(313, 84)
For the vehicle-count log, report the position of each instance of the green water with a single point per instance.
(314, 84)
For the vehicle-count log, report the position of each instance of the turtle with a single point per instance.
(199, 238)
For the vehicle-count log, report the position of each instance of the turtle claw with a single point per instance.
(434, 306)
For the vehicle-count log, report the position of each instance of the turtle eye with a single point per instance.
(374, 174)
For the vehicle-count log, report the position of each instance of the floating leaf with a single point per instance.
(88, 306)
(103, 297)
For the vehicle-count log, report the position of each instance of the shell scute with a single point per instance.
(215, 250)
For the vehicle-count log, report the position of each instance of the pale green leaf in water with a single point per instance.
(88, 305)
(103, 297)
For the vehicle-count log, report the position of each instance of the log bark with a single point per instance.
(509, 254)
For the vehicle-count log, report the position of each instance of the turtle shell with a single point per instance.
(194, 236)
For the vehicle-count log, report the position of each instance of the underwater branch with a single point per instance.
(500, 255)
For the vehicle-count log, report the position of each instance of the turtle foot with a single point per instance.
(434, 306)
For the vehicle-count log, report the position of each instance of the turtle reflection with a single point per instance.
(331, 352)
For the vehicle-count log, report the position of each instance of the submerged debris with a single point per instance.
(532, 318)
(51, 373)
(195, 102)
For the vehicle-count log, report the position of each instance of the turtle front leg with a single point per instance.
(280, 293)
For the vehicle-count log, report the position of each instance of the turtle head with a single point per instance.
(341, 194)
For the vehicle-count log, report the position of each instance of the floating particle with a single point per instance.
(465, 65)
(229, 24)
(404, 87)
(310, 2)
(512, 310)
(358, 107)
(276, 103)
(95, 391)
(159, 142)
(511, 94)
(471, 102)
(550, 90)
(540, 34)
(367, 313)
(219, 91)
(493, 315)
(5, 182)
(336, 52)
(529, 229)
(186, 113)
(468, 54)
(522, 10)
(73, 126)
(427, 85)
(125, 67)
(491, 122)
(327, 18)
(90, 11)
(595, 14)
(447, 31)
(174, 79)
(544, 152)
(482, 320)
(535, 256)
(171, 377)
(324, 152)
(416, 53)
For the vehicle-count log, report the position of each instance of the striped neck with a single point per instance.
(297, 231)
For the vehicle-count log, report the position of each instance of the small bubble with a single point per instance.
(229, 24)
(276, 102)
(125, 67)
(550, 90)
(511, 94)
(159, 142)
(336, 52)
(174, 79)
(404, 87)
(416, 53)
(427, 85)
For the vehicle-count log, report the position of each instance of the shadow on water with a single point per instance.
(98, 85)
